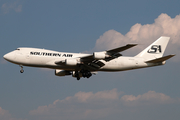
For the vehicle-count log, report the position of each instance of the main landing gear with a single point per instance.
(82, 73)
(77, 75)
(86, 73)
(21, 71)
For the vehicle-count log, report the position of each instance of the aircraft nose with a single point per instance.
(8, 57)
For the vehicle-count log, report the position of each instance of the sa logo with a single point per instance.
(155, 49)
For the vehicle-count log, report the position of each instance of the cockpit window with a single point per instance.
(17, 49)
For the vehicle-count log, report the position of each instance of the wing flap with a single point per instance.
(160, 59)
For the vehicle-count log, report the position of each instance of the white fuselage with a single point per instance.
(85, 65)
(35, 57)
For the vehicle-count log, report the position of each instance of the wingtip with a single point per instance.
(172, 55)
(131, 45)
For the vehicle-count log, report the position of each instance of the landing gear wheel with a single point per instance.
(78, 78)
(77, 75)
(21, 71)
(86, 73)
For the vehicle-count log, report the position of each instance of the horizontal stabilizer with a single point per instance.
(161, 59)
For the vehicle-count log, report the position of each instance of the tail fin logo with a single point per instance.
(155, 49)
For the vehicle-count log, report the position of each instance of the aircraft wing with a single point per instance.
(120, 49)
(113, 53)
(92, 63)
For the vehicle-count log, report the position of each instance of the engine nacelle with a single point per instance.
(71, 62)
(99, 55)
(62, 72)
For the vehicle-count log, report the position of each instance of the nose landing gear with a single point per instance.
(21, 71)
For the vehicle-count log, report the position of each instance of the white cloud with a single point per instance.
(80, 106)
(5, 115)
(103, 95)
(148, 98)
(164, 25)
(110, 39)
(13, 6)
(100, 105)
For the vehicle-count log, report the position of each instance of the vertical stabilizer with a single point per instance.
(155, 50)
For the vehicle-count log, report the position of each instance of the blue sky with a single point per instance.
(86, 26)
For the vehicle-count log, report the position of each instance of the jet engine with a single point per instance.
(71, 62)
(99, 55)
(62, 72)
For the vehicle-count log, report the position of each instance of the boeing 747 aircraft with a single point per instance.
(84, 65)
